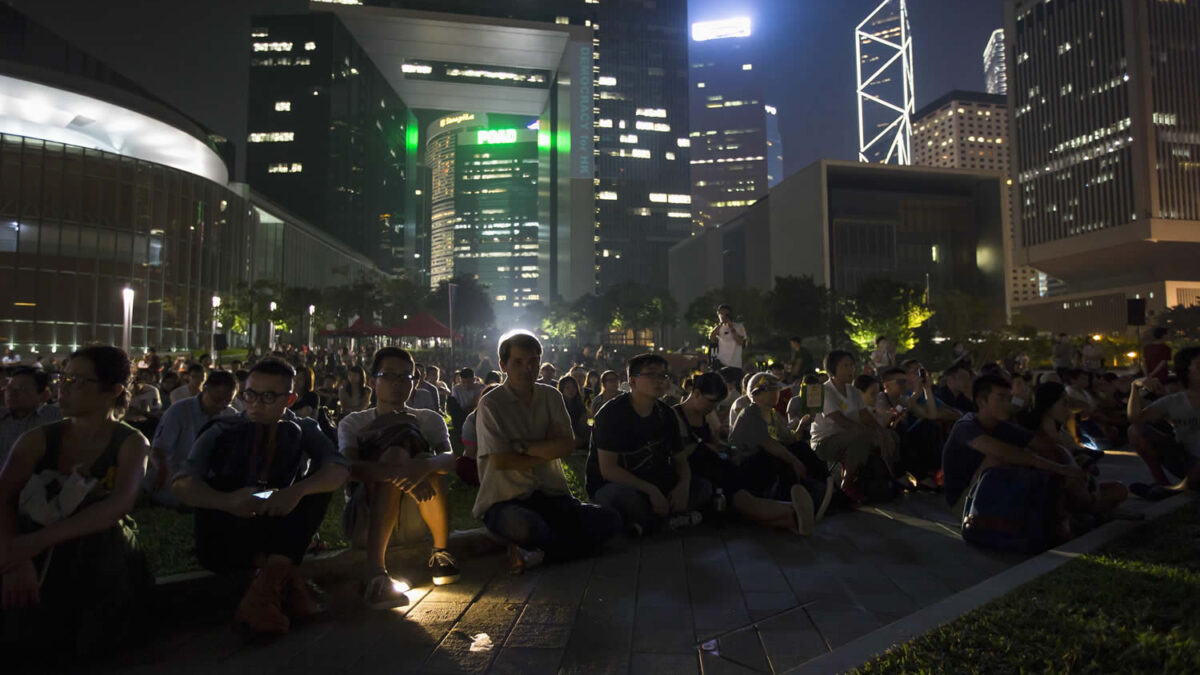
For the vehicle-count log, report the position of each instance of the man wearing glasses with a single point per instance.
(256, 506)
(396, 471)
(177, 430)
(637, 465)
(25, 406)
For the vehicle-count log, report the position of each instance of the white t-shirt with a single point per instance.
(432, 426)
(181, 392)
(728, 350)
(849, 405)
(1184, 418)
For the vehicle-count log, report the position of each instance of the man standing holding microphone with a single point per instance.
(729, 336)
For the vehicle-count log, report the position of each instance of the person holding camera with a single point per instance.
(256, 506)
(730, 337)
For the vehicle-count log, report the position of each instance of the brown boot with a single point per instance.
(260, 608)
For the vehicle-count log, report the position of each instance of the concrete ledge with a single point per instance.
(858, 651)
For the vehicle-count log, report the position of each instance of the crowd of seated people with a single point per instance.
(257, 452)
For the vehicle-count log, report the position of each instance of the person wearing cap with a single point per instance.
(767, 466)
(636, 463)
(846, 432)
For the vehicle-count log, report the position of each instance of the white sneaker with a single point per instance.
(521, 560)
(802, 503)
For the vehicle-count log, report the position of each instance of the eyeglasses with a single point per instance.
(267, 397)
(396, 377)
(655, 375)
(75, 380)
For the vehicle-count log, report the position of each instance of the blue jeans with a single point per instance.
(560, 525)
(634, 506)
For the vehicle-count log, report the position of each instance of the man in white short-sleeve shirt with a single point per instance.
(523, 432)
(846, 432)
(730, 337)
(1177, 451)
(393, 468)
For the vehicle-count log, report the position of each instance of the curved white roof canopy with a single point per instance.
(52, 114)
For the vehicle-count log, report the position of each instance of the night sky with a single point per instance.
(193, 54)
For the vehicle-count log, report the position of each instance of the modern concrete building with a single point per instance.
(969, 130)
(843, 223)
(1105, 129)
(735, 142)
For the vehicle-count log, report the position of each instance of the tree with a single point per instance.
(958, 315)
(800, 308)
(749, 306)
(1182, 323)
(885, 307)
(473, 311)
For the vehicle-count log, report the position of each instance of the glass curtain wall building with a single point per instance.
(640, 171)
(995, 70)
(1106, 134)
(330, 140)
(104, 188)
(734, 138)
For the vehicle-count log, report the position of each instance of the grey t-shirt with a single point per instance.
(1184, 418)
(501, 419)
(433, 428)
(752, 430)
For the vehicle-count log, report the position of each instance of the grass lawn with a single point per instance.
(166, 535)
(1133, 607)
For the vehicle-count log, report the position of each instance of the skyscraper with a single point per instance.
(884, 51)
(485, 207)
(1106, 136)
(640, 169)
(329, 139)
(735, 139)
(969, 130)
(995, 71)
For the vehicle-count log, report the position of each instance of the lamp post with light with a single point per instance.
(271, 332)
(216, 305)
(312, 309)
(127, 324)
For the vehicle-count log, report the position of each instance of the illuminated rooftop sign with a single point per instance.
(455, 119)
(725, 28)
(496, 136)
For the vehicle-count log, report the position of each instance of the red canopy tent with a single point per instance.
(421, 325)
(360, 328)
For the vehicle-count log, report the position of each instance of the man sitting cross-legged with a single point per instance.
(1176, 450)
(256, 509)
(636, 463)
(397, 455)
(524, 431)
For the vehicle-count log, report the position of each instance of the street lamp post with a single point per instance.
(127, 324)
(312, 309)
(271, 332)
(216, 304)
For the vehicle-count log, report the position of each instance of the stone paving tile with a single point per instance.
(744, 648)
(526, 661)
(561, 584)
(791, 639)
(840, 622)
(664, 664)
(763, 605)
(543, 627)
(454, 654)
(663, 629)
(601, 638)
(715, 665)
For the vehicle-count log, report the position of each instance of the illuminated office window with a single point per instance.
(283, 106)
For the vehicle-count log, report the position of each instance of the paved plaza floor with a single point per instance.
(724, 597)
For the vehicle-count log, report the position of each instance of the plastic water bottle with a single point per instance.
(719, 501)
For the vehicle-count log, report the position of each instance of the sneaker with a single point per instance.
(445, 568)
(383, 592)
(857, 498)
(802, 503)
(521, 560)
(685, 519)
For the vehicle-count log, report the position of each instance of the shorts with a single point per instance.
(1173, 456)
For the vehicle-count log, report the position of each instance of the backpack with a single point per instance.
(874, 480)
(1014, 508)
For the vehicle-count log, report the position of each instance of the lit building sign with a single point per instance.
(455, 119)
(496, 136)
(724, 28)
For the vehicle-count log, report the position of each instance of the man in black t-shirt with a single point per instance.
(637, 463)
(985, 439)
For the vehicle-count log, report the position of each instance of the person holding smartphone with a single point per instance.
(730, 337)
(257, 507)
